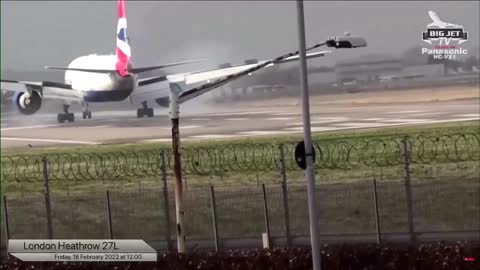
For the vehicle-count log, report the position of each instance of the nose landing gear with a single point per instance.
(145, 110)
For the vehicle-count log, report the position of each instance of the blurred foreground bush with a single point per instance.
(426, 256)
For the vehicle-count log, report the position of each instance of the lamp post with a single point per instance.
(307, 137)
(178, 97)
(339, 42)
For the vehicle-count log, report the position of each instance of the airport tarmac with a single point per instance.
(223, 122)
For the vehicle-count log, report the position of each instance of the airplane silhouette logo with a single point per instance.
(437, 23)
(443, 31)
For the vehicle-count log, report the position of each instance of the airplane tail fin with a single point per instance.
(122, 52)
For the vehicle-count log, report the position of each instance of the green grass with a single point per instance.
(346, 157)
(445, 193)
(444, 204)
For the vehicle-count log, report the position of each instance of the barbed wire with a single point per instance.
(234, 158)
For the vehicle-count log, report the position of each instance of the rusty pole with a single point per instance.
(177, 170)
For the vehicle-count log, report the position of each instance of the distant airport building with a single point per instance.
(366, 70)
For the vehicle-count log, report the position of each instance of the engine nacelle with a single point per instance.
(28, 102)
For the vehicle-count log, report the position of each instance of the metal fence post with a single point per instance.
(7, 229)
(265, 210)
(214, 217)
(109, 215)
(46, 190)
(166, 205)
(220, 161)
(375, 205)
(286, 210)
(407, 158)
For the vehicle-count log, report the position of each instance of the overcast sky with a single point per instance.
(37, 33)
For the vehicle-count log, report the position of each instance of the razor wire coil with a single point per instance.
(233, 158)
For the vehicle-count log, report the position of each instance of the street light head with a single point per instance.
(347, 42)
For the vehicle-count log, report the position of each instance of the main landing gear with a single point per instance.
(86, 112)
(145, 110)
(65, 116)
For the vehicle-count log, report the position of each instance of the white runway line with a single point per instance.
(286, 114)
(200, 119)
(414, 120)
(293, 130)
(401, 112)
(468, 115)
(359, 125)
(428, 113)
(373, 119)
(31, 127)
(313, 129)
(319, 120)
(48, 140)
(187, 127)
(280, 118)
(453, 120)
(236, 119)
(100, 126)
(116, 120)
(182, 127)
(239, 113)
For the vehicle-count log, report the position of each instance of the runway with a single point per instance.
(223, 122)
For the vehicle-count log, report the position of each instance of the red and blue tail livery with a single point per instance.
(123, 51)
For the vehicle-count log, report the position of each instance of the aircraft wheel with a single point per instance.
(70, 117)
(89, 115)
(149, 112)
(84, 115)
(60, 118)
(140, 113)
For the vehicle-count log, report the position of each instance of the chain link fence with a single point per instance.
(240, 213)
(434, 187)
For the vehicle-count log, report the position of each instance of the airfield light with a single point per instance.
(346, 41)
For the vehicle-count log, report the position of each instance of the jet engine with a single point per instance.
(28, 102)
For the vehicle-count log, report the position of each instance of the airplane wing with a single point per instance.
(131, 70)
(202, 89)
(207, 75)
(47, 89)
(161, 91)
(201, 76)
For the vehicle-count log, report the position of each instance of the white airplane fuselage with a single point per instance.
(99, 87)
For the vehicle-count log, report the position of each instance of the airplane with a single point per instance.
(111, 78)
(437, 23)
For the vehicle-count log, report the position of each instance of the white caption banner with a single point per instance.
(81, 250)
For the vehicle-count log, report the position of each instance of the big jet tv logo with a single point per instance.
(445, 37)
